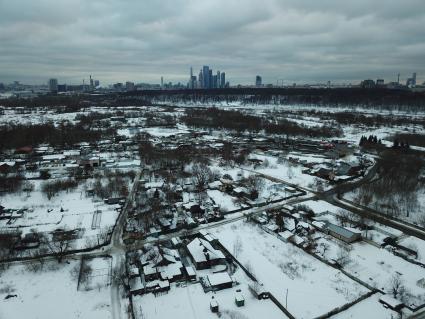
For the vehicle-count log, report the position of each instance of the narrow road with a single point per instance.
(117, 249)
(330, 197)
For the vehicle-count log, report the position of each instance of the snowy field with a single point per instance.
(224, 200)
(45, 215)
(289, 172)
(377, 267)
(50, 294)
(281, 266)
(366, 308)
(191, 302)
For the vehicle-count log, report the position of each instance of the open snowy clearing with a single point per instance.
(191, 302)
(50, 294)
(282, 267)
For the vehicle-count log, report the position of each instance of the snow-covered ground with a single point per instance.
(50, 294)
(190, 302)
(313, 287)
(377, 266)
(45, 215)
(289, 172)
(224, 200)
(368, 307)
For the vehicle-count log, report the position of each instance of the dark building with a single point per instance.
(258, 81)
(223, 80)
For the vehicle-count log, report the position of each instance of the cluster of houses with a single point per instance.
(297, 226)
(338, 170)
(155, 267)
(104, 153)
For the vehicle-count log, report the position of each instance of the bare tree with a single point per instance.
(343, 256)
(201, 175)
(254, 183)
(58, 246)
(397, 287)
(237, 246)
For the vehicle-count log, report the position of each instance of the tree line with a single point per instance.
(239, 121)
(64, 134)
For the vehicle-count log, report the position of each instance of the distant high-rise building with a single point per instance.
(201, 79)
(223, 80)
(258, 81)
(62, 88)
(91, 83)
(218, 79)
(53, 85)
(411, 81)
(96, 83)
(162, 82)
(206, 76)
(368, 84)
(214, 82)
(192, 80)
(210, 79)
(129, 86)
(380, 82)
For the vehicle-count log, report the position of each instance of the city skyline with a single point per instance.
(143, 40)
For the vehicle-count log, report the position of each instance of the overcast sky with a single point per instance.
(142, 40)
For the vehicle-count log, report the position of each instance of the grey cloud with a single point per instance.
(141, 40)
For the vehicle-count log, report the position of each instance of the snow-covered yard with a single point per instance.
(191, 302)
(366, 308)
(50, 294)
(225, 201)
(67, 210)
(283, 268)
(377, 267)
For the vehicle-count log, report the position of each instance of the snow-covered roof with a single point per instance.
(72, 153)
(286, 234)
(340, 230)
(390, 301)
(53, 157)
(239, 297)
(199, 247)
(215, 184)
(190, 271)
(11, 164)
(219, 278)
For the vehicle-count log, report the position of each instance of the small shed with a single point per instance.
(391, 302)
(239, 300)
(190, 272)
(220, 280)
(214, 305)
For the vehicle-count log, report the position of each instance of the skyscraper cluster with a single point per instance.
(207, 79)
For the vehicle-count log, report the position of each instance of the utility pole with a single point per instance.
(287, 290)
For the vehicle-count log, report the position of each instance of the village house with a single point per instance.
(219, 281)
(342, 233)
(203, 254)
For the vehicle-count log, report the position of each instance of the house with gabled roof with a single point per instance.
(203, 254)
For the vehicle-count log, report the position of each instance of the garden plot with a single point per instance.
(289, 172)
(377, 267)
(282, 267)
(49, 294)
(191, 302)
(226, 202)
(96, 273)
(67, 210)
(366, 308)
